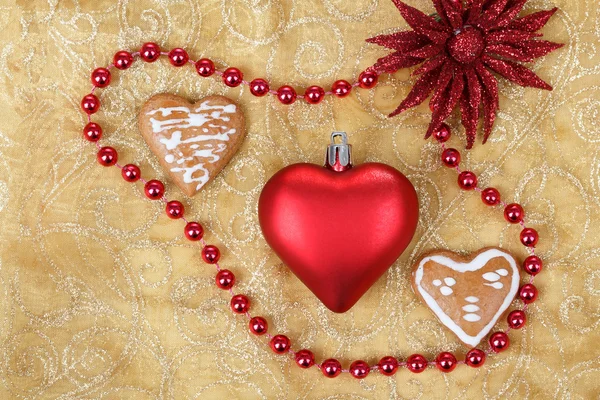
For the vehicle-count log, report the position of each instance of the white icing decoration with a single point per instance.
(471, 318)
(437, 282)
(502, 272)
(491, 276)
(495, 285)
(471, 308)
(476, 264)
(446, 291)
(450, 281)
(472, 299)
(201, 118)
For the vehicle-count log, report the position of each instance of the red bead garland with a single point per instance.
(490, 196)
(258, 325)
(205, 67)
(193, 231)
(131, 173)
(225, 279)
(211, 254)
(445, 362)
(178, 57)
(107, 156)
(516, 319)
(532, 265)
(368, 79)
(92, 132)
(451, 158)
(388, 365)
(150, 52)
(154, 189)
(280, 344)
(305, 358)
(499, 342)
(467, 180)
(314, 94)
(416, 363)
(475, 358)
(101, 77)
(232, 77)
(259, 87)
(90, 104)
(174, 209)
(240, 304)
(286, 95)
(331, 368)
(359, 369)
(341, 88)
(514, 213)
(123, 60)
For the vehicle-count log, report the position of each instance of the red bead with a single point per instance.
(532, 265)
(443, 133)
(416, 363)
(475, 358)
(286, 94)
(514, 213)
(280, 344)
(259, 87)
(528, 293)
(92, 132)
(305, 358)
(90, 103)
(101, 77)
(205, 67)
(341, 88)
(225, 279)
(467, 180)
(123, 60)
(529, 237)
(193, 231)
(154, 189)
(178, 57)
(331, 368)
(314, 94)
(490, 196)
(388, 366)
(107, 156)
(240, 304)
(516, 319)
(232, 77)
(131, 173)
(367, 79)
(174, 209)
(359, 369)
(211, 254)
(258, 325)
(445, 362)
(451, 158)
(150, 52)
(499, 342)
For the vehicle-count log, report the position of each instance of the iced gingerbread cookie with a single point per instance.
(467, 294)
(193, 142)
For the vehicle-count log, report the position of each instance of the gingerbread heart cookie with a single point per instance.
(467, 294)
(193, 142)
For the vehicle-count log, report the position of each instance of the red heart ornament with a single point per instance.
(338, 231)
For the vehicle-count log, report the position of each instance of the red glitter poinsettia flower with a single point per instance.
(459, 49)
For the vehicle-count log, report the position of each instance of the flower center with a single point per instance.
(466, 45)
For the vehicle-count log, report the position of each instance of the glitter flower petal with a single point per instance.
(458, 50)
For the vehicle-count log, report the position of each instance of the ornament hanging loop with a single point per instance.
(339, 155)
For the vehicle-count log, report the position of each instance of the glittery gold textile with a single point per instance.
(100, 297)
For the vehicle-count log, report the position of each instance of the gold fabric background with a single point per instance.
(100, 297)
